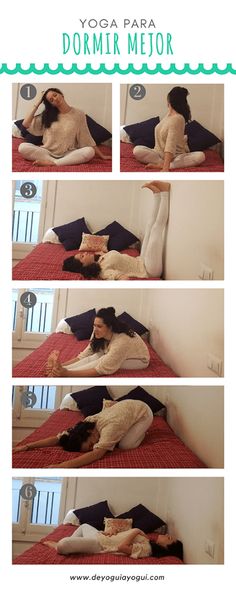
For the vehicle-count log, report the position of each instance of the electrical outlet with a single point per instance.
(206, 273)
(210, 548)
(215, 364)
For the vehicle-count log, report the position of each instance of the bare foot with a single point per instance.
(157, 186)
(43, 163)
(52, 358)
(50, 544)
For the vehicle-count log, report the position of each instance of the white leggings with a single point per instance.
(92, 360)
(77, 156)
(152, 245)
(84, 539)
(146, 155)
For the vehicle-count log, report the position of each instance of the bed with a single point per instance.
(34, 364)
(40, 554)
(128, 163)
(160, 449)
(19, 164)
(45, 263)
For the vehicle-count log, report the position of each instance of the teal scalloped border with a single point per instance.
(117, 69)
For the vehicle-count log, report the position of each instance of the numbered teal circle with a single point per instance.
(28, 492)
(28, 190)
(28, 399)
(137, 91)
(28, 299)
(28, 91)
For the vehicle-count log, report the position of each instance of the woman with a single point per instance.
(171, 150)
(133, 543)
(113, 345)
(124, 423)
(66, 137)
(116, 266)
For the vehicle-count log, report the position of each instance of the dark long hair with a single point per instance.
(75, 436)
(177, 98)
(174, 549)
(71, 264)
(51, 112)
(108, 315)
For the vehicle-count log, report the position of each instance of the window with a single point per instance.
(36, 323)
(46, 504)
(45, 397)
(38, 318)
(26, 213)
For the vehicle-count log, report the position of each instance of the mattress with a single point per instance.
(45, 263)
(161, 448)
(128, 163)
(34, 364)
(40, 554)
(19, 164)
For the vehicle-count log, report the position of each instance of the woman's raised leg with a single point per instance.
(152, 247)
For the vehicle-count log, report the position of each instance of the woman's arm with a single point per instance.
(45, 443)
(71, 361)
(29, 118)
(87, 458)
(127, 545)
(168, 157)
(99, 153)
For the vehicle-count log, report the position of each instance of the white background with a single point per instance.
(31, 33)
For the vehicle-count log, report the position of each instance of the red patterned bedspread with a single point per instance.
(128, 163)
(40, 554)
(161, 448)
(34, 364)
(19, 164)
(45, 263)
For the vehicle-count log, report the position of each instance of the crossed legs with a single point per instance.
(42, 157)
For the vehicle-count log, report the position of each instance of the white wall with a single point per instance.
(194, 511)
(94, 99)
(186, 325)
(206, 102)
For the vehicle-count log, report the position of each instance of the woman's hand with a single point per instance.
(21, 448)
(59, 370)
(106, 157)
(153, 166)
(39, 99)
(123, 277)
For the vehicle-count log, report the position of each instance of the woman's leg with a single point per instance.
(136, 433)
(187, 160)
(152, 248)
(135, 363)
(146, 155)
(89, 362)
(85, 531)
(33, 153)
(78, 545)
(77, 156)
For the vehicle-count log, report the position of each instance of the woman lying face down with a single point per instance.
(113, 345)
(134, 543)
(116, 266)
(124, 424)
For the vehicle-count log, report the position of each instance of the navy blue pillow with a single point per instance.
(143, 518)
(99, 133)
(143, 133)
(70, 234)
(199, 138)
(82, 325)
(119, 237)
(139, 394)
(139, 328)
(90, 401)
(35, 139)
(94, 514)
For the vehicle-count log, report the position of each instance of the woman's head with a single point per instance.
(105, 324)
(80, 438)
(167, 545)
(52, 99)
(83, 263)
(177, 99)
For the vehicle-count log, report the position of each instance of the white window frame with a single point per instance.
(21, 250)
(31, 418)
(24, 531)
(21, 339)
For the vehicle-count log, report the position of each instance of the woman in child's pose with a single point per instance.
(171, 149)
(113, 345)
(133, 543)
(66, 137)
(124, 423)
(117, 266)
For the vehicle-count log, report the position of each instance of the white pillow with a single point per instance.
(63, 327)
(69, 403)
(124, 137)
(71, 518)
(50, 237)
(16, 131)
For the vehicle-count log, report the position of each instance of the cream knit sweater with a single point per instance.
(121, 347)
(169, 135)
